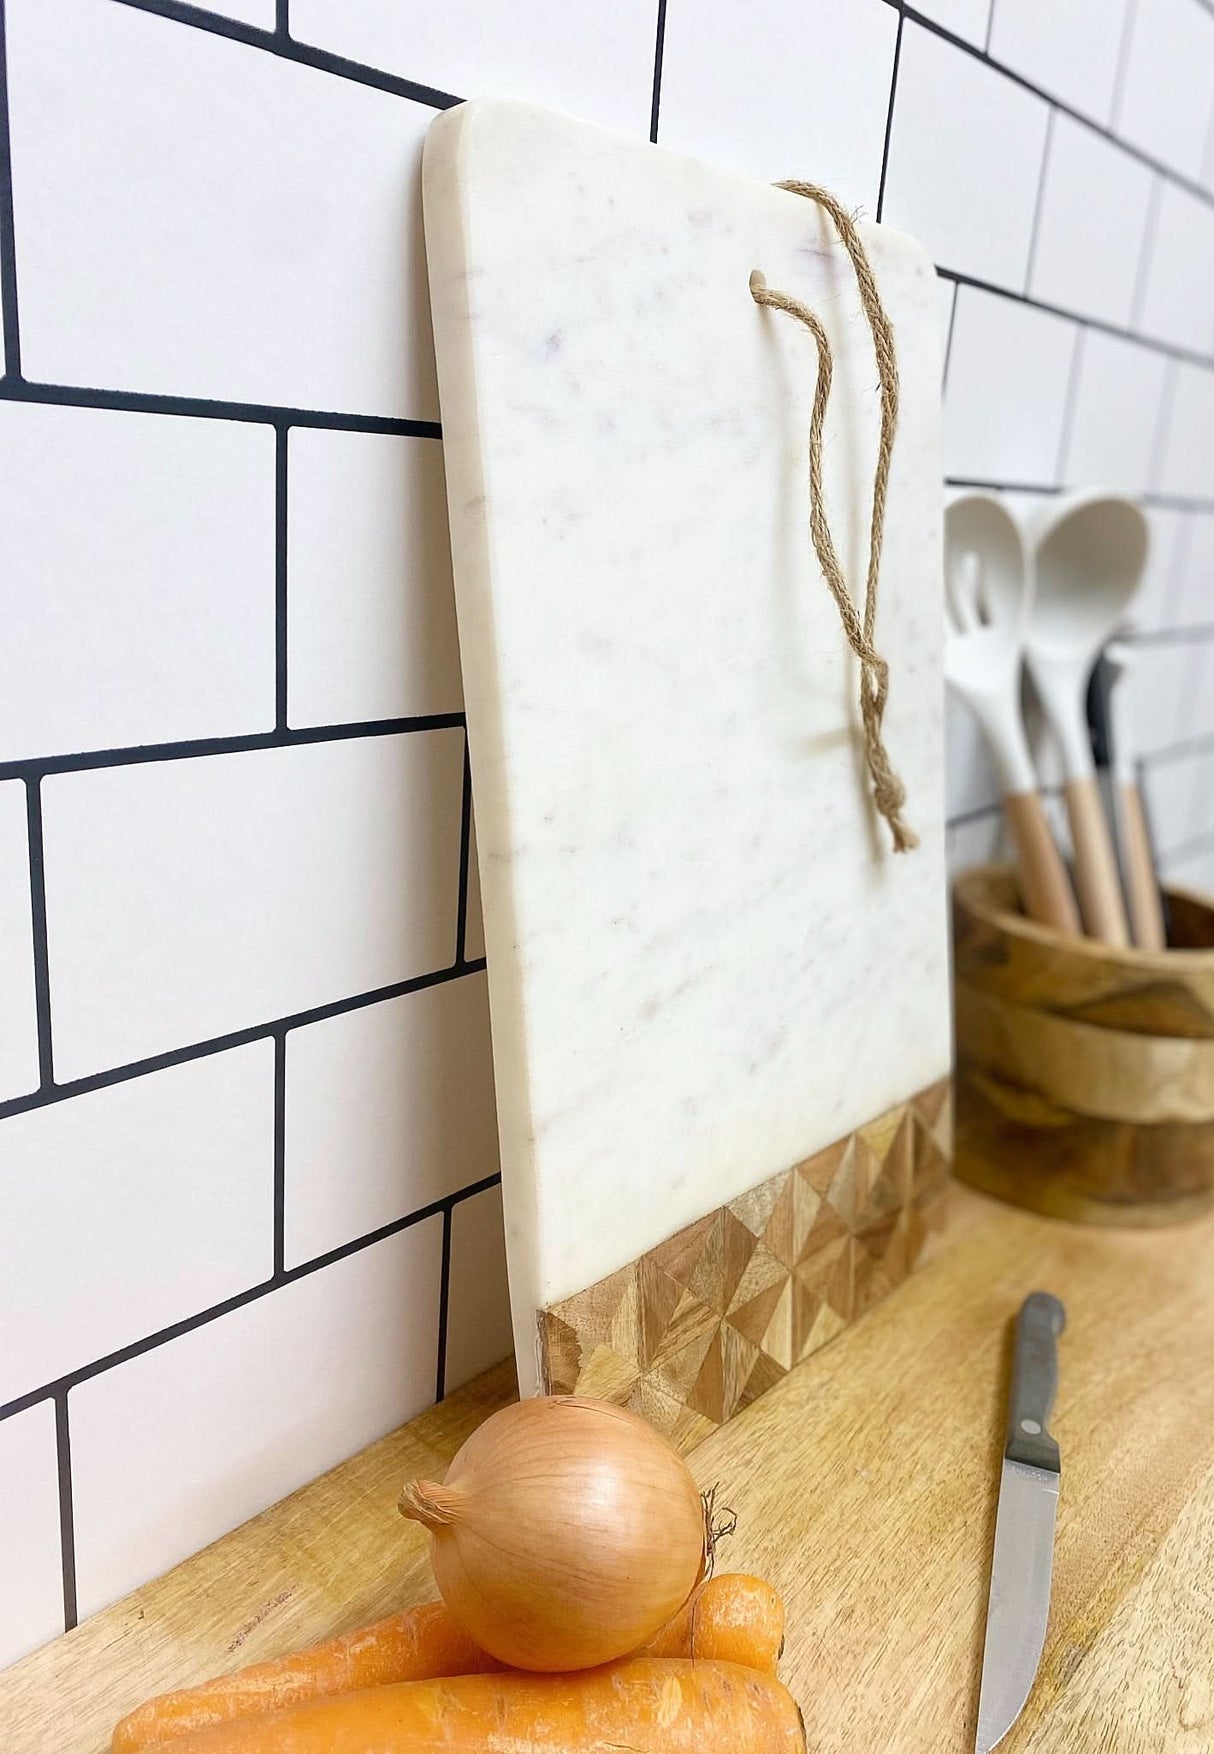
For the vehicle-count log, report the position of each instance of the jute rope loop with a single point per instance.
(889, 794)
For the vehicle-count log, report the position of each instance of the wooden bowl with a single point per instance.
(1085, 1074)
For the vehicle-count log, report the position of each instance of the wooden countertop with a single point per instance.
(865, 1488)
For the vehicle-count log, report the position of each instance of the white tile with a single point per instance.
(18, 1017)
(1176, 303)
(1068, 47)
(1202, 820)
(246, 1408)
(186, 899)
(1169, 789)
(1156, 692)
(215, 221)
(138, 558)
(1169, 82)
(981, 841)
(1169, 539)
(1193, 604)
(259, 12)
(388, 1109)
(1118, 392)
(965, 18)
(478, 1319)
(593, 60)
(31, 1573)
(1007, 386)
(970, 778)
(964, 159)
(1093, 216)
(1184, 465)
(474, 925)
(1194, 869)
(371, 628)
(1199, 720)
(129, 1208)
(780, 91)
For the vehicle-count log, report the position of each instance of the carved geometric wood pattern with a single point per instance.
(700, 1326)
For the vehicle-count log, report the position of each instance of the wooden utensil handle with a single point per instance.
(1044, 883)
(1095, 864)
(1146, 909)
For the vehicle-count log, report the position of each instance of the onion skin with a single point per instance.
(566, 1533)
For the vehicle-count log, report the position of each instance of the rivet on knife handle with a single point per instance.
(1035, 1382)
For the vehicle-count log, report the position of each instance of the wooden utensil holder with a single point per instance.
(1085, 1073)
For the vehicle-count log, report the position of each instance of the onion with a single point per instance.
(565, 1534)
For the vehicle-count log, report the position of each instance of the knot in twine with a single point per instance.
(889, 794)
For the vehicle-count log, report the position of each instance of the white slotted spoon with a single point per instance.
(988, 586)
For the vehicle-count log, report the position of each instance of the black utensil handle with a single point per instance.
(1034, 1382)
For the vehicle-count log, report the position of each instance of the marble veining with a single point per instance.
(705, 963)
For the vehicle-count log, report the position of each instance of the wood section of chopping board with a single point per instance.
(865, 1487)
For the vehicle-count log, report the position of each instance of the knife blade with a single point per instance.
(1023, 1562)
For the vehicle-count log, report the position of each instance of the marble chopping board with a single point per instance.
(706, 966)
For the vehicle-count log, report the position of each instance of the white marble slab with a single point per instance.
(705, 963)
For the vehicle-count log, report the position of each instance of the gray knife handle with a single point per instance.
(1034, 1382)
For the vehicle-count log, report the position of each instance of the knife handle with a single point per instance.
(1034, 1382)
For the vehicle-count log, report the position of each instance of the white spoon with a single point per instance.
(988, 587)
(1089, 553)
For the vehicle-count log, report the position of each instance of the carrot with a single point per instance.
(664, 1705)
(730, 1619)
(413, 1646)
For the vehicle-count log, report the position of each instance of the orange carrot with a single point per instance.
(665, 1705)
(413, 1646)
(730, 1619)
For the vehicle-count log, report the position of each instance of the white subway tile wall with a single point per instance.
(248, 1157)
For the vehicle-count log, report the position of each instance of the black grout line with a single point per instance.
(42, 968)
(1042, 175)
(67, 1511)
(282, 21)
(195, 749)
(1123, 61)
(444, 1310)
(236, 1038)
(1192, 633)
(280, 1152)
(207, 408)
(1165, 501)
(1102, 129)
(8, 243)
(1069, 406)
(287, 49)
(990, 26)
(202, 1318)
(465, 842)
(1169, 348)
(280, 576)
(889, 118)
(305, 54)
(1189, 746)
(1146, 255)
(948, 339)
(659, 49)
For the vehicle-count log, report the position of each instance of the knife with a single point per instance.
(1024, 1527)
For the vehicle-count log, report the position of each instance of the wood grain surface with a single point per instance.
(705, 1323)
(1085, 1073)
(865, 1485)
